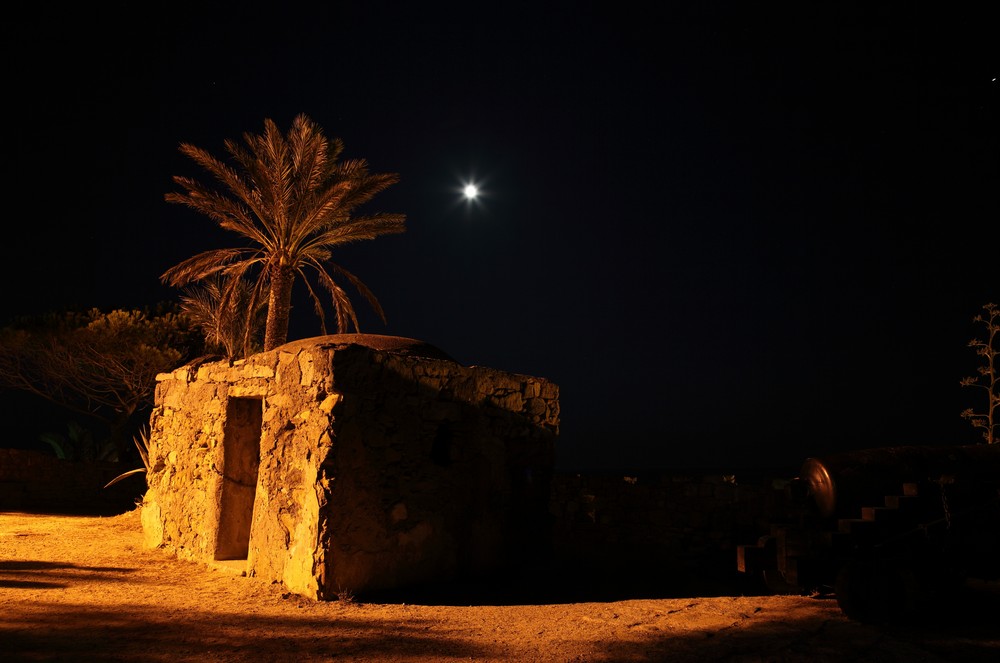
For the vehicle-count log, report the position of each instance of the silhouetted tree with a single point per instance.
(102, 366)
(292, 198)
(989, 375)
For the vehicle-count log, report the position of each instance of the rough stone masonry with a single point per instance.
(350, 463)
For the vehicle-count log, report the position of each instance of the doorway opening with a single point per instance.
(240, 464)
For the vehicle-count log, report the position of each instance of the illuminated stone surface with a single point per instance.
(349, 463)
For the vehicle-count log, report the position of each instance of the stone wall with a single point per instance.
(376, 467)
(660, 525)
(39, 482)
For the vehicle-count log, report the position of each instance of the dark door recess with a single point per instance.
(241, 460)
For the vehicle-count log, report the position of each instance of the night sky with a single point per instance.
(735, 234)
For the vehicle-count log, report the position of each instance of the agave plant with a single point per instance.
(142, 444)
(76, 444)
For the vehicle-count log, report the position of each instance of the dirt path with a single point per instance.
(77, 588)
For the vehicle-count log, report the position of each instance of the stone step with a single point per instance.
(882, 514)
(859, 527)
(901, 502)
(755, 558)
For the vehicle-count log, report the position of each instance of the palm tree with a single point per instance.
(221, 310)
(292, 198)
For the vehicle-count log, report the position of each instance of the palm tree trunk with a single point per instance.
(279, 307)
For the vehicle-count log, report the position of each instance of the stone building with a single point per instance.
(350, 463)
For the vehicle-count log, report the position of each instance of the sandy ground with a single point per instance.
(82, 588)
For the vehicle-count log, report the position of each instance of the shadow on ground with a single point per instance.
(565, 580)
(79, 633)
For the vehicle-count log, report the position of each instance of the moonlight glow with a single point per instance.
(471, 193)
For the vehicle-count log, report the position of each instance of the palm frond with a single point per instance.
(359, 229)
(362, 288)
(201, 266)
(221, 171)
(226, 212)
(317, 303)
(225, 309)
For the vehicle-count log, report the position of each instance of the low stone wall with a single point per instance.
(649, 518)
(37, 481)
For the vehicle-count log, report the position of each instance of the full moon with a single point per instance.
(470, 191)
